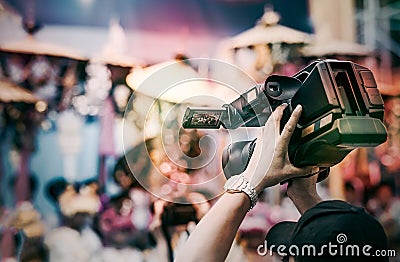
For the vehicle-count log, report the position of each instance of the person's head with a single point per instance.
(122, 174)
(125, 221)
(384, 194)
(330, 231)
(77, 202)
(350, 193)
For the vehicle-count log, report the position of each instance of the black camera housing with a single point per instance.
(342, 110)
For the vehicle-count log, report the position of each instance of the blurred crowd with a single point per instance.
(132, 225)
(135, 225)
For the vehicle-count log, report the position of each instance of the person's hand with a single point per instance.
(158, 207)
(270, 162)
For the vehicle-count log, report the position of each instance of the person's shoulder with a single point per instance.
(62, 238)
(61, 232)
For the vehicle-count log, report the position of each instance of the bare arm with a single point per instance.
(213, 236)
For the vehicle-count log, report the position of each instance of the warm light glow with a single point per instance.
(41, 106)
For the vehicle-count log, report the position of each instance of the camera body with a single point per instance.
(342, 110)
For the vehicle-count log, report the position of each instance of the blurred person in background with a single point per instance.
(123, 177)
(174, 222)
(386, 208)
(139, 226)
(124, 225)
(22, 229)
(77, 204)
(26, 223)
(125, 221)
(353, 194)
(175, 208)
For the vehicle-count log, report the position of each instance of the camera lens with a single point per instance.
(274, 89)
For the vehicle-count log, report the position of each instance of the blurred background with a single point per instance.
(69, 71)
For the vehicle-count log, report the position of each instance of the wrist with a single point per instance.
(241, 200)
(268, 180)
(261, 187)
(258, 186)
(241, 184)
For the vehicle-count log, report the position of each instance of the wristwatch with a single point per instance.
(238, 184)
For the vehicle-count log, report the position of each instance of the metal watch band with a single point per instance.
(242, 185)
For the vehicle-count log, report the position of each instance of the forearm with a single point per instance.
(213, 236)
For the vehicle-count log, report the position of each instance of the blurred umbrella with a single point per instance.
(174, 81)
(114, 51)
(178, 69)
(30, 45)
(259, 49)
(113, 55)
(10, 92)
(336, 48)
(177, 81)
(116, 60)
(268, 31)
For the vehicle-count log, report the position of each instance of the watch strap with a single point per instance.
(243, 185)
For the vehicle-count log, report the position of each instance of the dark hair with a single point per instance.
(55, 187)
(122, 166)
(132, 157)
(349, 186)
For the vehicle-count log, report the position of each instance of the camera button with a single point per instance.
(368, 79)
(374, 97)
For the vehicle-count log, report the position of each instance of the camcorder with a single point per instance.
(342, 110)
